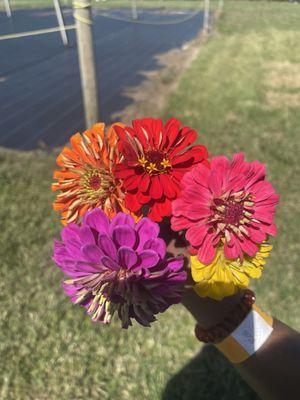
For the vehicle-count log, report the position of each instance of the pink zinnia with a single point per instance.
(229, 204)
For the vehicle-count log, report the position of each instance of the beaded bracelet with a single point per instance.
(220, 331)
(242, 333)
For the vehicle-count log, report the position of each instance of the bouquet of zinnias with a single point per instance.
(116, 188)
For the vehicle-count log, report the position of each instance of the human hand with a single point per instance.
(206, 311)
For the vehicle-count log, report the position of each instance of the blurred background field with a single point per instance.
(112, 3)
(242, 93)
(40, 77)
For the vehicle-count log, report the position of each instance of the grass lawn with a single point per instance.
(242, 93)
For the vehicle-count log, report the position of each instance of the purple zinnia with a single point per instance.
(118, 265)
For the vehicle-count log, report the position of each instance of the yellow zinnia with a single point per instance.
(224, 277)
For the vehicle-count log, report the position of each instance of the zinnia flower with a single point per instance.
(118, 266)
(155, 158)
(85, 178)
(224, 277)
(231, 203)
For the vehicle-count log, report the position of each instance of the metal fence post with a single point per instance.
(221, 5)
(7, 8)
(85, 45)
(61, 22)
(134, 9)
(206, 17)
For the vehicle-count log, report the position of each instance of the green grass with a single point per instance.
(49, 349)
(243, 94)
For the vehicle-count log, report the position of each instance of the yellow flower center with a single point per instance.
(155, 162)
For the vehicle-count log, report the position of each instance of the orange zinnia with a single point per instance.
(85, 178)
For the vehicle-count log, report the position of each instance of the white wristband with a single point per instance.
(248, 337)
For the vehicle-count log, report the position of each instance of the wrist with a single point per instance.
(233, 319)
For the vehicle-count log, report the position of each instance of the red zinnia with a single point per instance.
(155, 158)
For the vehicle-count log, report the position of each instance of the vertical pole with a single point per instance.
(134, 9)
(206, 17)
(61, 22)
(7, 8)
(83, 17)
(221, 5)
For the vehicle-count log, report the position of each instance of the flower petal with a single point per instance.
(121, 219)
(124, 236)
(160, 209)
(148, 258)
(158, 245)
(86, 236)
(127, 257)
(232, 249)
(187, 137)
(169, 186)
(207, 251)
(145, 182)
(156, 190)
(110, 264)
(97, 220)
(131, 202)
(107, 246)
(92, 253)
(175, 265)
(196, 234)
(146, 229)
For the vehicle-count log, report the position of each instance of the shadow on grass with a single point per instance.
(208, 376)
